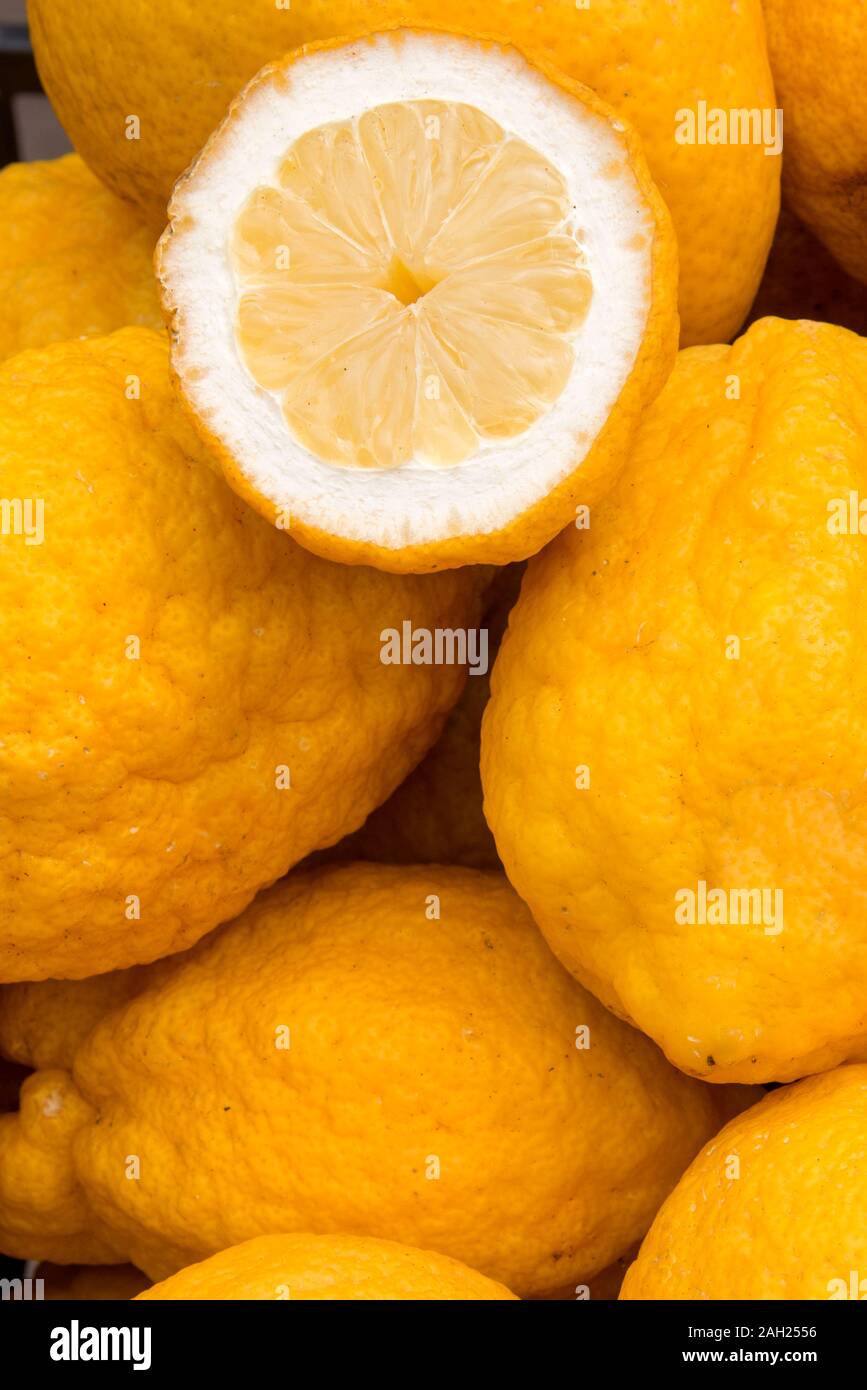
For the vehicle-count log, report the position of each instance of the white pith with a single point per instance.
(417, 503)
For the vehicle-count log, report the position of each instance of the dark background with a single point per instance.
(28, 127)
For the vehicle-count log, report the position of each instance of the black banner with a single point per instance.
(83, 1339)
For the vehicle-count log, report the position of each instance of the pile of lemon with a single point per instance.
(433, 705)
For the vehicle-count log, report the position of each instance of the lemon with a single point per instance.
(389, 1049)
(816, 54)
(336, 1268)
(74, 259)
(420, 292)
(772, 1208)
(44, 1022)
(673, 754)
(189, 702)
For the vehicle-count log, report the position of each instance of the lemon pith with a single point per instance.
(411, 285)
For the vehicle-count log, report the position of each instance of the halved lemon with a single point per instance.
(420, 292)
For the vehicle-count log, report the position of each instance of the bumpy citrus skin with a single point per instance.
(115, 58)
(74, 259)
(341, 1057)
(305, 1268)
(189, 702)
(803, 281)
(44, 1022)
(817, 55)
(773, 1207)
(698, 654)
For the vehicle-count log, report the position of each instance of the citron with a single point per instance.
(673, 754)
(817, 56)
(140, 86)
(773, 1208)
(420, 293)
(803, 281)
(74, 259)
(392, 1051)
(189, 702)
(339, 1268)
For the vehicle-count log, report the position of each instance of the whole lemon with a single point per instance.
(773, 1207)
(189, 702)
(817, 55)
(339, 1268)
(75, 259)
(388, 1050)
(141, 85)
(673, 755)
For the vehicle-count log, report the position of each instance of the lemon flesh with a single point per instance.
(410, 286)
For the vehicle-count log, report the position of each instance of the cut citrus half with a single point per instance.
(420, 292)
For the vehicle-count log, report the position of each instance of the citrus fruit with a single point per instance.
(436, 815)
(444, 284)
(74, 259)
(189, 702)
(673, 754)
(773, 1207)
(817, 59)
(339, 1268)
(803, 281)
(385, 1049)
(140, 86)
(44, 1022)
(102, 1283)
